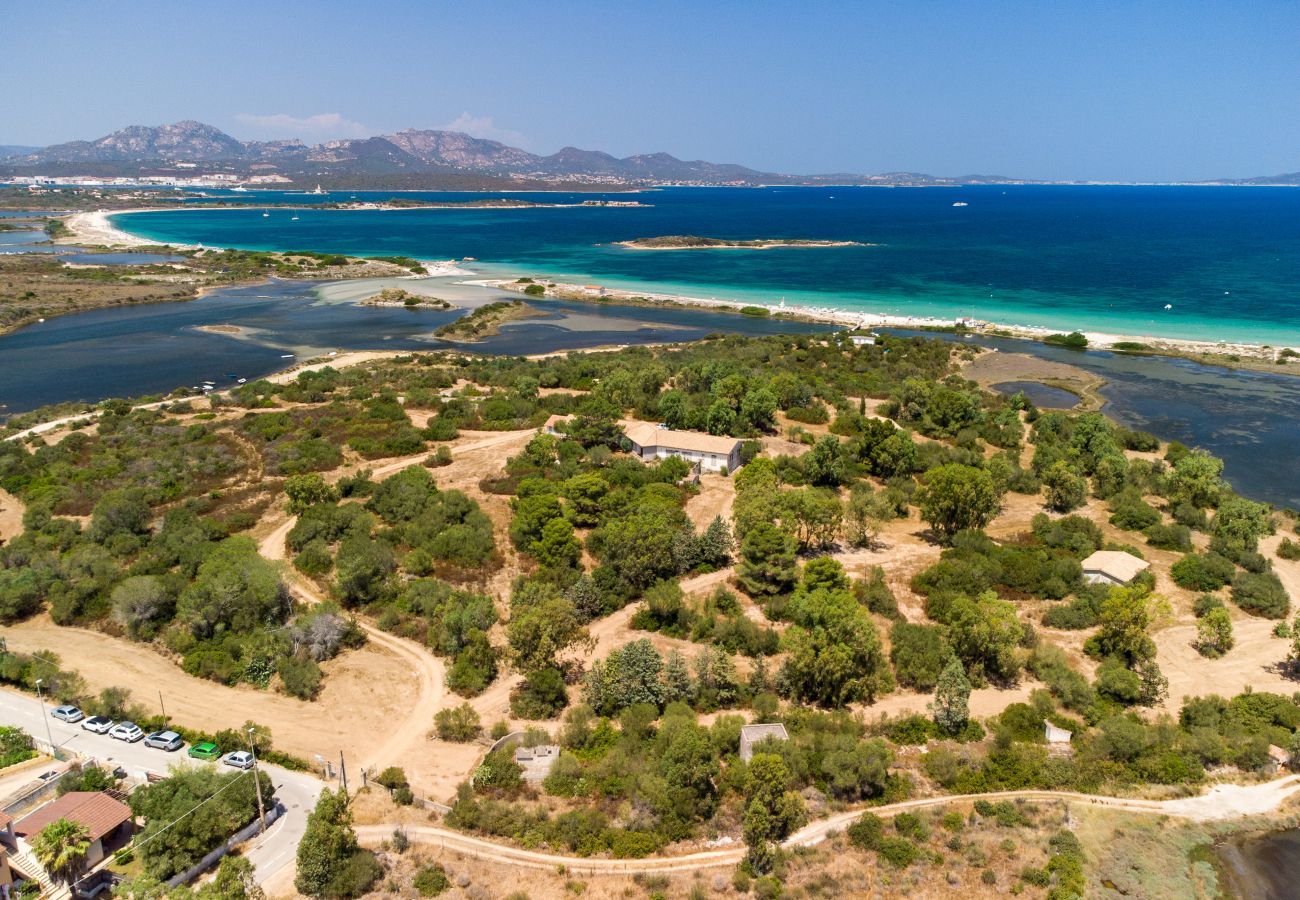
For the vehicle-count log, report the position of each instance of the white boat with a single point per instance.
(294, 219)
(317, 191)
(961, 203)
(286, 356)
(239, 189)
(242, 380)
(1169, 306)
(266, 215)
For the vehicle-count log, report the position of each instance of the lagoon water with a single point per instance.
(1101, 258)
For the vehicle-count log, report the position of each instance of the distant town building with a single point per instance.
(1113, 567)
(756, 734)
(863, 340)
(537, 762)
(709, 452)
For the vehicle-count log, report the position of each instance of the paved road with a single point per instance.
(270, 853)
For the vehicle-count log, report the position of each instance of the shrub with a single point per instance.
(541, 696)
(300, 675)
(1074, 340)
(394, 778)
(867, 832)
(459, 723)
(898, 852)
(1288, 549)
(431, 880)
(1204, 603)
(1260, 594)
(1202, 571)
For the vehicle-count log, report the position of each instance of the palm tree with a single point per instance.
(61, 848)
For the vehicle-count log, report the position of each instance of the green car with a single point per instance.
(205, 750)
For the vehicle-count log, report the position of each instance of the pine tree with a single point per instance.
(678, 686)
(951, 706)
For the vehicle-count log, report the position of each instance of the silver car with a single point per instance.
(127, 731)
(68, 713)
(164, 740)
(240, 759)
(98, 724)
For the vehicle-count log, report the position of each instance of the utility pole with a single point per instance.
(257, 781)
(162, 706)
(343, 774)
(45, 713)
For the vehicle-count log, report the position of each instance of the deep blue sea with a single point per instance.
(1225, 260)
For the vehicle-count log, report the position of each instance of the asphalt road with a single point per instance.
(270, 853)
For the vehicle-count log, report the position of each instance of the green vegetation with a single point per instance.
(15, 746)
(487, 320)
(1074, 340)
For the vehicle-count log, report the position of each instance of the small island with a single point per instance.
(486, 321)
(399, 297)
(694, 242)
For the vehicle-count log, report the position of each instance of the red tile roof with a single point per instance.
(97, 812)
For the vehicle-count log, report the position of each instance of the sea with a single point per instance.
(1208, 263)
(1226, 261)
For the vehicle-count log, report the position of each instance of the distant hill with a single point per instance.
(423, 159)
(410, 158)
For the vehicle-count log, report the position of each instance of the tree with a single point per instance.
(539, 632)
(834, 654)
(61, 848)
(985, 633)
(235, 589)
(951, 706)
(141, 604)
(767, 565)
(631, 674)
(235, 880)
(715, 545)
(1214, 633)
(308, 490)
(557, 548)
(331, 863)
(1195, 480)
(363, 568)
(773, 811)
(1066, 490)
(824, 464)
(956, 497)
(816, 515)
(1124, 617)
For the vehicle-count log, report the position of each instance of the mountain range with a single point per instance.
(406, 156)
(420, 159)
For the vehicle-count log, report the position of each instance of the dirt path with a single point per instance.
(1220, 802)
(11, 517)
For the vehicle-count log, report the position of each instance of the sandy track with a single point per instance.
(1220, 802)
(11, 517)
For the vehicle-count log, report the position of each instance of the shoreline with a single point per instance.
(1097, 340)
(96, 225)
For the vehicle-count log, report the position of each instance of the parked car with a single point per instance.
(68, 713)
(164, 740)
(240, 759)
(205, 750)
(127, 731)
(98, 724)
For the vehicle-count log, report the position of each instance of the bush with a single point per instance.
(1260, 594)
(460, 724)
(394, 778)
(1169, 537)
(918, 653)
(867, 832)
(1204, 603)
(1288, 549)
(431, 880)
(541, 696)
(300, 676)
(898, 852)
(1202, 571)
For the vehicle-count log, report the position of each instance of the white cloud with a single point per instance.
(483, 127)
(324, 126)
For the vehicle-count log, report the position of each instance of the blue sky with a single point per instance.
(1136, 90)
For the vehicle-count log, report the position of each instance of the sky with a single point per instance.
(1053, 90)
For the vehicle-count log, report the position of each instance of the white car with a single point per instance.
(68, 713)
(240, 759)
(164, 740)
(98, 724)
(127, 731)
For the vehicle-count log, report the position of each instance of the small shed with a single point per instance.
(756, 734)
(1113, 567)
(1056, 735)
(538, 761)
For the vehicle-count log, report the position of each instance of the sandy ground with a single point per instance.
(11, 516)
(354, 712)
(716, 498)
(995, 367)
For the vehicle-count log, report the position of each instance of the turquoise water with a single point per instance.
(1226, 260)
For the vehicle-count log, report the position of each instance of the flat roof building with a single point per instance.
(756, 734)
(1113, 567)
(710, 452)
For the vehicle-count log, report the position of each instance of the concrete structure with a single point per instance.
(537, 762)
(756, 734)
(1056, 735)
(1113, 567)
(103, 817)
(712, 454)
